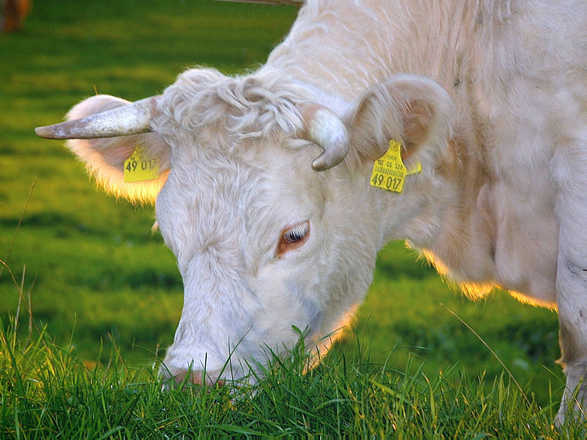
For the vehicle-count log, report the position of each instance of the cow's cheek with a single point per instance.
(284, 305)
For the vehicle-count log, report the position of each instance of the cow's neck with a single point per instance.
(347, 49)
(449, 216)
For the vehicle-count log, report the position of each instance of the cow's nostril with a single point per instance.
(197, 377)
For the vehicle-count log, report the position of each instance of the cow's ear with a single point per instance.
(105, 157)
(412, 109)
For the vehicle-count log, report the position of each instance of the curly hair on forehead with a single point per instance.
(249, 107)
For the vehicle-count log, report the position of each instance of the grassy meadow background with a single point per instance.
(108, 294)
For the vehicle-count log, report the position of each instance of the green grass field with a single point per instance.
(105, 293)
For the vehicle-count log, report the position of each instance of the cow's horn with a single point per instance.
(328, 131)
(120, 121)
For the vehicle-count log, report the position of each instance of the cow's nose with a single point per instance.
(197, 377)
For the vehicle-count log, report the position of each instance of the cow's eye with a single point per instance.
(293, 237)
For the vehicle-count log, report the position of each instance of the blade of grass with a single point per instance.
(491, 350)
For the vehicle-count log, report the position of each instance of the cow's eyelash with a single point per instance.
(296, 233)
(293, 237)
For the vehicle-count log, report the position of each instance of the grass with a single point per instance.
(48, 392)
(106, 295)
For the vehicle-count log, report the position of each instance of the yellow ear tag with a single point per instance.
(389, 171)
(140, 167)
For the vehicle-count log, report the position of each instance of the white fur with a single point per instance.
(491, 100)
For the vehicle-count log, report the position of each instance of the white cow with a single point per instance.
(487, 97)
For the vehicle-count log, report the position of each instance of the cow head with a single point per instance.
(263, 197)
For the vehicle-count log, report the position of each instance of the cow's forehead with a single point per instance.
(234, 203)
(215, 186)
